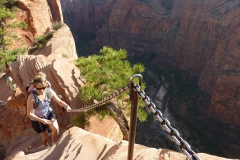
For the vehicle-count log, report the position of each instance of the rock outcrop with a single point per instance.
(76, 143)
(40, 14)
(22, 71)
(56, 60)
(61, 45)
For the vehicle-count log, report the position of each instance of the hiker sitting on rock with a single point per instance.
(39, 109)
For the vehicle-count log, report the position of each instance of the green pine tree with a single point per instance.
(106, 73)
(7, 12)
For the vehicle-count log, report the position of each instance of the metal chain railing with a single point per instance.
(103, 101)
(165, 124)
(157, 114)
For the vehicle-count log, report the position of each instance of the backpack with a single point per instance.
(36, 99)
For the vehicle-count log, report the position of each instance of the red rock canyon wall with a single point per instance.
(202, 37)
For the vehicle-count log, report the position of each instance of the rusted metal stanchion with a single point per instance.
(133, 118)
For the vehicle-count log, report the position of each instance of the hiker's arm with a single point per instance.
(59, 101)
(30, 103)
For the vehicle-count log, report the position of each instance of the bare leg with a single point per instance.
(55, 131)
(44, 137)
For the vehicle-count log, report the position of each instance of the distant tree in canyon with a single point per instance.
(7, 23)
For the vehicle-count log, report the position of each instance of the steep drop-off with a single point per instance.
(201, 37)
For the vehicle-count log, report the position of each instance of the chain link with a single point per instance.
(165, 124)
(103, 101)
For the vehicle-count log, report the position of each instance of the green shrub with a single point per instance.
(41, 41)
(7, 37)
(57, 25)
(9, 56)
(106, 73)
(81, 120)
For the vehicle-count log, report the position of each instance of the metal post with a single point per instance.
(133, 118)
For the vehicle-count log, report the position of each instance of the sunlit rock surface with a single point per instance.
(76, 143)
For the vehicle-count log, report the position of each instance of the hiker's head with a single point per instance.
(39, 81)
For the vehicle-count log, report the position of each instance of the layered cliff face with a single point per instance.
(39, 16)
(201, 37)
(92, 15)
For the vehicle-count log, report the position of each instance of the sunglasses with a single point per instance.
(40, 88)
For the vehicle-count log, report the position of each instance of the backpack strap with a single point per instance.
(48, 93)
(28, 93)
(36, 99)
(25, 102)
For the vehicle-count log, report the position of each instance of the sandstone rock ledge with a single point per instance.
(76, 143)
